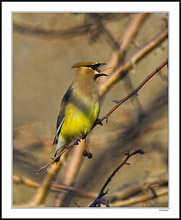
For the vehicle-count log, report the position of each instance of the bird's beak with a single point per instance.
(102, 64)
(101, 74)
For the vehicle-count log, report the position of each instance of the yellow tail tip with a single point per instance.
(55, 162)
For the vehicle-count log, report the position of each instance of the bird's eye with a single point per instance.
(98, 70)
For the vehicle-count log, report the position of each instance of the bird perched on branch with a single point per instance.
(80, 106)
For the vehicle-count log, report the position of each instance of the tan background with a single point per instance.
(42, 73)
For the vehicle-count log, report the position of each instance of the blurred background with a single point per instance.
(45, 46)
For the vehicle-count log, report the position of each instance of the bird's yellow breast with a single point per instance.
(77, 121)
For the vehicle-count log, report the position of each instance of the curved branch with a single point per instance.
(121, 45)
(26, 181)
(71, 171)
(135, 188)
(53, 187)
(71, 32)
(111, 79)
(137, 199)
(43, 189)
(132, 30)
(78, 30)
(102, 193)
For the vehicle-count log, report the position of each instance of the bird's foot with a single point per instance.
(56, 161)
(99, 122)
(84, 137)
(77, 141)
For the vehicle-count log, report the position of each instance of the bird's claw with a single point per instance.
(77, 141)
(99, 122)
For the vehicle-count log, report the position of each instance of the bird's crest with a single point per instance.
(87, 64)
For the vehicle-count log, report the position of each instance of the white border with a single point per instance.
(173, 8)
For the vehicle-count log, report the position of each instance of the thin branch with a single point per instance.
(137, 199)
(135, 92)
(132, 30)
(102, 193)
(42, 191)
(135, 188)
(122, 45)
(71, 171)
(146, 48)
(114, 198)
(26, 181)
(52, 161)
(75, 31)
(102, 29)
(54, 187)
(71, 32)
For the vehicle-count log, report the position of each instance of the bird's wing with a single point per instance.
(61, 116)
(60, 121)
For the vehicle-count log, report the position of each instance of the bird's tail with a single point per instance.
(56, 161)
(57, 152)
(60, 147)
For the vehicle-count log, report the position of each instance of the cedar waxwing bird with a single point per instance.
(80, 106)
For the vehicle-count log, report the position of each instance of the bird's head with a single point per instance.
(89, 69)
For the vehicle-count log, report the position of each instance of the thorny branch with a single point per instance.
(134, 92)
(97, 201)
